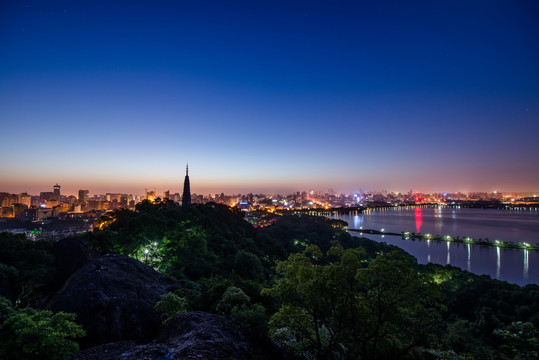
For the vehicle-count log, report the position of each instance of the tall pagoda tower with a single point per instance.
(186, 197)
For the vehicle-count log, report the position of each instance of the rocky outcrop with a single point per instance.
(70, 254)
(193, 335)
(114, 298)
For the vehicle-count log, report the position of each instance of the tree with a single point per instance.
(32, 334)
(319, 301)
(27, 267)
(334, 307)
(402, 308)
(521, 340)
(236, 304)
(170, 304)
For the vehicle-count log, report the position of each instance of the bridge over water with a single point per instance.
(405, 235)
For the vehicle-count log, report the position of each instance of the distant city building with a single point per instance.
(83, 196)
(7, 212)
(56, 191)
(113, 197)
(150, 195)
(186, 198)
(43, 213)
(46, 195)
(25, 199)
(9, 200)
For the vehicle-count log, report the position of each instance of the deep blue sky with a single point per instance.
(267, 96)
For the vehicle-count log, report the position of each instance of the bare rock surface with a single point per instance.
(114, 298)
(193, 335)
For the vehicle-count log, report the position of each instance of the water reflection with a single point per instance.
(468, 265)
(357, 221)
(526, 264)
(439, 219)
(498, 262)
(418, 220)
(521, 267)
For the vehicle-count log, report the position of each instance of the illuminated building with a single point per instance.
(9, 200)
(150, 195)
(113, 197)
(57, 210)
(186, 198)
(25, 199)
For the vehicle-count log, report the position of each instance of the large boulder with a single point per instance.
(193, 335)
(70, 254)
(114, 298)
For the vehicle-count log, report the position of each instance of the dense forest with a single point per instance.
(315, 290)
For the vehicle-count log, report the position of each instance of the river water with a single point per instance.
(512, 265)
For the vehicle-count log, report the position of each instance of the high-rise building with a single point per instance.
(26, 199)
(56, 191)
(83, 196)
(186, 198)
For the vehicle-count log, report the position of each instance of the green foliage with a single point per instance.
(402, 307)
(32, 334)
(236, 304)
(332, 305)
(6, 309)
(520, 340)
(233, 297)
(27, 267)
(477, 307)
(248, 265)
(309, 323)
(170, 304)
(253, 315)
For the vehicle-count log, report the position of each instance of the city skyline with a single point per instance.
(269, 97)
(158, 191)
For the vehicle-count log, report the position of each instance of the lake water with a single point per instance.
(512, 265)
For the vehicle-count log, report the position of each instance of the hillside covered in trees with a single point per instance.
(316, 291)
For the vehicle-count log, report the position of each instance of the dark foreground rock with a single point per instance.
(114, 298)
(70, 254)
(193, 335)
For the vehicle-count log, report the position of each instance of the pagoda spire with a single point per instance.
(186, 197)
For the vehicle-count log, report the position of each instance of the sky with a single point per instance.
(269, 96)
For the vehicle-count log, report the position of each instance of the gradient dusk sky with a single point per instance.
(269, 96)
